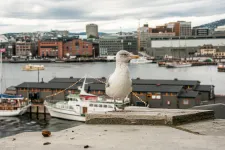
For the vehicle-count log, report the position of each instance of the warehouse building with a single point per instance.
(156, 93)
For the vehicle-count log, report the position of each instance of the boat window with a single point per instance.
(105, 106)
(96, 105)
(71, 107)
(109, 106)
(100, 105)
(91, 105)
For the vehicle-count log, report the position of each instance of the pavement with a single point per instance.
(193, 136)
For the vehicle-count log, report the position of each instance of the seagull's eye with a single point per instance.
(124, 54)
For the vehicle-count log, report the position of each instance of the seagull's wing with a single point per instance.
(107, 84)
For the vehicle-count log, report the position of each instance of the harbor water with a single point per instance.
(14, 125)
(13, 74)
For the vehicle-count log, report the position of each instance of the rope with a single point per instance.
(139, 98)
(97, 79)
(64, 89)
(131, 92)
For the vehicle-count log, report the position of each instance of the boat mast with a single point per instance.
(1, 73)
(83, 86)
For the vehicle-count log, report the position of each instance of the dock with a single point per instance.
(149, 116)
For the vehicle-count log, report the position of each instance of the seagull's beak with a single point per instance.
(134, 57)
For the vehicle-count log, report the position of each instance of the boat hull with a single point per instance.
(11, 113)
(178, 66)
(65, 114)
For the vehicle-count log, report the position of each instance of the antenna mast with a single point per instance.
(139, 44)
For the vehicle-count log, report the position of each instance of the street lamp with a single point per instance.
(93, 51)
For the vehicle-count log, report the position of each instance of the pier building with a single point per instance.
(156, 93)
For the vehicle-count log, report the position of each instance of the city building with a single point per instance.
(91, 30)
(185, 46)
(208, 50)
(200, 31)
(60, 32)
(220, 30)
(50, 48)
(23, 48)
(185, 28)
(4, 44)
(181, 28)
(144, 35)
(77, 47)
(110, 45)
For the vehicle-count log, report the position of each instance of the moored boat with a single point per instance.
(140, 60)
(221, 67)
(75, 106)
(178, 65)
(13, 105)
(30, 67)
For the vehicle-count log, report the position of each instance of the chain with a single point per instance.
(132, 92)
(97, 79)
(139, 98)
(64, 89)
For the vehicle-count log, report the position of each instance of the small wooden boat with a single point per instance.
(13, 105)
(30, 67)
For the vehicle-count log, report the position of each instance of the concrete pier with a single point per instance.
(122, 137)
(149, 116)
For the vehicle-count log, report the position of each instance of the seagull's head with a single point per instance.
(125, 56)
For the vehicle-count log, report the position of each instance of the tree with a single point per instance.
(92, 36)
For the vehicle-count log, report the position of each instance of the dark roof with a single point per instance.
(166, 82)
(135, 81)
(188, 94)
(101, 87)
(59, 86)
(155, 88)
(46, 85)
(11, 88)
(203, 88)
(73, 80)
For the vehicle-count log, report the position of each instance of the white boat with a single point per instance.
(111, 58)
(140, 60)
(13, 105)
(178, 65)
(77, 105)
(30, 67)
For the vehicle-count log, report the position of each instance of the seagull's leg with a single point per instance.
(114, 103)
(123, 105)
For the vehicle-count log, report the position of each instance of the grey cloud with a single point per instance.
(70, 9)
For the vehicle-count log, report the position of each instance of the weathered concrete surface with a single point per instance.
(209, 127)
(219, 109)
(115, 137)
(145, 116)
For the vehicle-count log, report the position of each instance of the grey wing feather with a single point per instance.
(107, 82)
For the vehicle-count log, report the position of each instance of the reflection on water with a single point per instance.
(13, 125)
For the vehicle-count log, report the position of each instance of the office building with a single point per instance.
(91, 30)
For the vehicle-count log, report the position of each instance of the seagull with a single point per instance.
(119, 83)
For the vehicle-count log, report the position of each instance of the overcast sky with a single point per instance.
(110, 15)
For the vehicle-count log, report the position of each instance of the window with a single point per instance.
(100, 105)
(109, 106)
(95, 105)
(91, 105)
(105, 106)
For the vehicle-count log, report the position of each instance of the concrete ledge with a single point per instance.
(149, 116)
